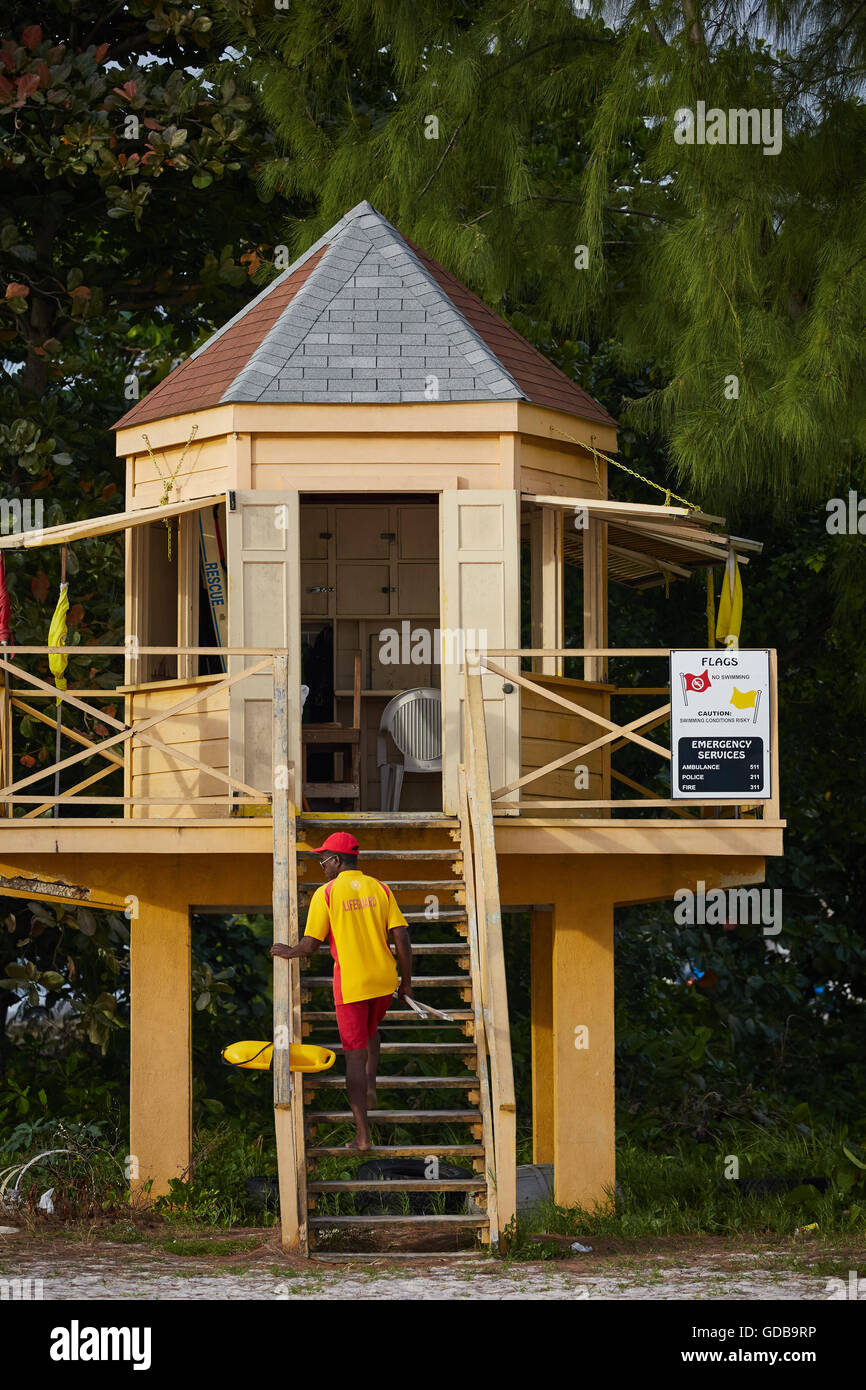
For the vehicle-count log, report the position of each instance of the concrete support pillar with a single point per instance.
(160, 1089)
(541, 1022)
(583, 1048)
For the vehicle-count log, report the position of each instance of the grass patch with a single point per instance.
(194, 1245)
(686, 1193)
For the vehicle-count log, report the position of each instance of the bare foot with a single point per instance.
(357, 1144)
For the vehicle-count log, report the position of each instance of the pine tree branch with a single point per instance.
(573, 202)
(491, 77)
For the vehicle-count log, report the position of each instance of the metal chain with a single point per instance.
(597, 454)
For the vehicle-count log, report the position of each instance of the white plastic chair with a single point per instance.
(414, 721)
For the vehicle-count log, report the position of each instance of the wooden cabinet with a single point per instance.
(364, 532)
(363, 590)
(316, 531)
(370, 560)
(314, 588)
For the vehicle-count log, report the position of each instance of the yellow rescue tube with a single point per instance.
(257, 1056)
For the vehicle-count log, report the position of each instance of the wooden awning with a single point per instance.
(649, 544)
(101, 525)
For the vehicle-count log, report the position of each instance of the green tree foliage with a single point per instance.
(130, 227)
(553, 132)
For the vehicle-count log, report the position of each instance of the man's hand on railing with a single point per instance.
(305, 947)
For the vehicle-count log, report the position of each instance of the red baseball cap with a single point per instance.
(339, 843)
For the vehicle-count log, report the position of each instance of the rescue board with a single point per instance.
(257, 1056)
(213, 572)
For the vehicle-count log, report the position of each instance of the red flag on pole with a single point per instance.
(699, 682)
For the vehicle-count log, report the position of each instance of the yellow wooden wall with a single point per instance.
(548, 732)
(202, 732)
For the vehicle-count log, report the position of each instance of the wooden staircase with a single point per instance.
(445, 1090)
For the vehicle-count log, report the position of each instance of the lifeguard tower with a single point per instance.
(342, 513)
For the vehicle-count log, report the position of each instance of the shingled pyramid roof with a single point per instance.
(364, 315)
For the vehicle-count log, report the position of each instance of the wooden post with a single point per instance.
(541, 955)
(285, 900)
(160, 1045)
(773, 807)
(583, 1026)
(492, 953)
(594, 596)
(552, 577)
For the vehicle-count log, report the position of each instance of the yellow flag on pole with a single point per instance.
(730, 614)
(57, 638)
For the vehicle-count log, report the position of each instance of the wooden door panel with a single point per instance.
(362, 533)
(363, 589)
(418, 533)
(314, 576)
(481, 605)
(315, 529)
(262, 544)
(417, 589)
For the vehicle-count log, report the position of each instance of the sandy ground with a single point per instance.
(85, 1266)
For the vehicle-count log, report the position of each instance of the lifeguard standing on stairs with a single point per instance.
(354, 913)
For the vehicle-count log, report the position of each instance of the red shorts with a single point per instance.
(358, 1022)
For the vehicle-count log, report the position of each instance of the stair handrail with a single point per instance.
(288, 1091)
(494, 994)
(484, 1094)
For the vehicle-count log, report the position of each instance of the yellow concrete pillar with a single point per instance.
(583, 1045)
(541, 1022)
(160, 1087)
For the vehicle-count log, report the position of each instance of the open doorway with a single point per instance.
(370, 614)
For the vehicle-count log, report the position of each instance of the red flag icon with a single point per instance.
(700, 682)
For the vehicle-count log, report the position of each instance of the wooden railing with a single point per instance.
(20, 688)
(616, 736)
(487, 960)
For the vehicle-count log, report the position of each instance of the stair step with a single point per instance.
(406, 820)
(393, 1083)
(419, 855)
(411, 1048)
(401, 1150)
(418, 981)
(419, 948)
(403, 885)
(395, 1018)
(323, 1222)
(402, 1117)
(440, 948)
(445, 914)
(467, 1184)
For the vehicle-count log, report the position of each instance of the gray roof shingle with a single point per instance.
(337, 323)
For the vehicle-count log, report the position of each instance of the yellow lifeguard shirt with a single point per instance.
(354, 913)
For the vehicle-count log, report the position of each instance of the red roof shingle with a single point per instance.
(543, 383)
(200, 382)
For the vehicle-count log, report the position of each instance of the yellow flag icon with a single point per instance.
(730, 614)
(744, 699)
(57, 638)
